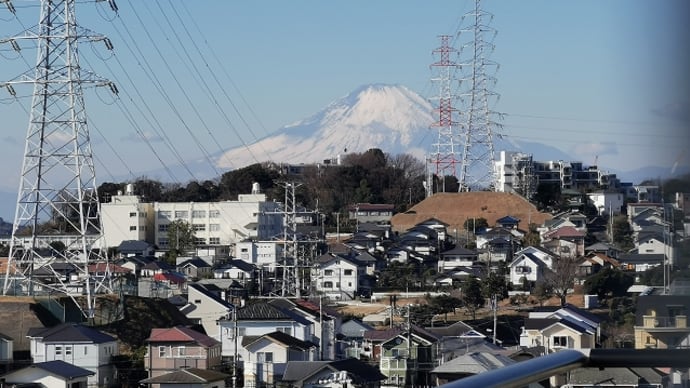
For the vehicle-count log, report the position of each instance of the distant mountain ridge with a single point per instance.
(389, 117)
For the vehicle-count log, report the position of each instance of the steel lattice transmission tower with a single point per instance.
(57, 198)
(444, 157)
(476, 82)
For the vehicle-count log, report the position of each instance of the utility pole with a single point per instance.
(58, 178)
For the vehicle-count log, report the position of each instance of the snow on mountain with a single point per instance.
(389, 117)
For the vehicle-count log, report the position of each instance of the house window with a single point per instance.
(241, 331)
(86, 350)
(58, 350)
(180, 351)
(214, 227)
(265, 357)
(181, 214)
(197, 301)
(165, 214)
(163, 242)
(560, 341)
(68, 350)
(328, 272)
(214, 213)
(132, 227)
(163, 227)
(348, 272)
(199, 227)
(214, 240)
(132, 214)
(162, 352)
(199, 214)
(199, 241)
(327, 284)
(286, 330)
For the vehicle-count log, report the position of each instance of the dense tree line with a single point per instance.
(368, 177)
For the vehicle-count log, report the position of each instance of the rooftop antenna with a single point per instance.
(57, 198)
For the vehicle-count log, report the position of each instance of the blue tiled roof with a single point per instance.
(62, 369)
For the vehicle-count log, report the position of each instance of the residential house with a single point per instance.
(604, 248)
(351, 335)
(566, 327)
(407, 357)
(508, 222)
(468, 364)
(661, 321)
(135, 263)
(263, 253)
(236, 269)
(438, 226)
(325, 321)
(567, 241)
(188, 378)
(171, 349)
(162, 285)
(155, 267)
(337, 277)
(616, 377)
(640, 262)
(129, 248)
(268, 355)
(529, 267)
(206, 305)
(194, 268)
(555, 334)
(48, 374)
(337, 374)
(456, 257)
(607, 203)
(79, 345)
(594, 262)
(255, 320)
(370, 212)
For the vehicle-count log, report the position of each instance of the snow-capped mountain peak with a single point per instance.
(390, 117)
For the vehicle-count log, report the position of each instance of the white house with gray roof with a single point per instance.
(79, 345)
(206, 306)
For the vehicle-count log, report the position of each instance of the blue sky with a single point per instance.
(584, 76)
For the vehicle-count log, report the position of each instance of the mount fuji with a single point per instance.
(388, 117)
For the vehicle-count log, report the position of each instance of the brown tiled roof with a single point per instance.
(181, 334)
(455, 208)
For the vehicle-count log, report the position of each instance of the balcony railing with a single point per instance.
(537, 369)
(677, 322)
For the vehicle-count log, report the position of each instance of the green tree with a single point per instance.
(180, 238)
(608, 283)
(445, 304)
(472, 297)
(495, 286)
(475, 224)
(531, 238)
(622, 232)
(542, 291)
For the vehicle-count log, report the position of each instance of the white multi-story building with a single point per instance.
(517, 172)
(126, 218)
(221, 223)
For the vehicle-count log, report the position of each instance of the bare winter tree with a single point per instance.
(561, 278)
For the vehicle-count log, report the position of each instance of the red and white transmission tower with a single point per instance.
(476, 81)
(444, 157)
(57, 198)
